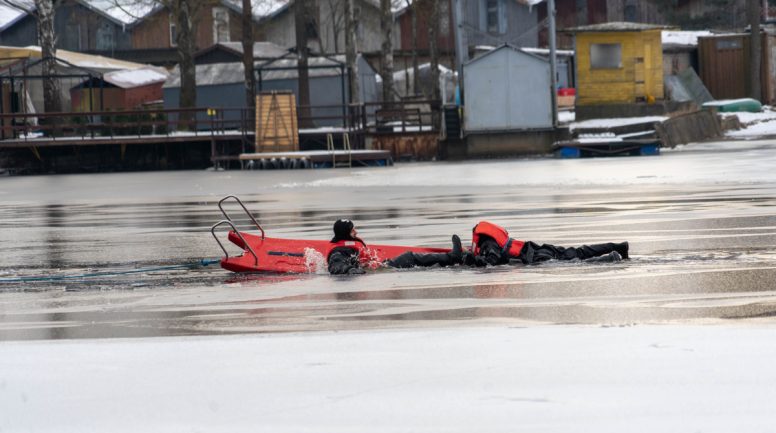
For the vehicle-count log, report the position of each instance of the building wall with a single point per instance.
(154, 31)
(640, 76)
(519, 26)
(445, 38)
(507, 90)
(81, 29)
(281, 29)
(21, 34)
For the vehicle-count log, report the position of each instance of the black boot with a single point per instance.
(612, 257)
(622, 248)
(456, 255)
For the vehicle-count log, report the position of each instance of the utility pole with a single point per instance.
(553, 63)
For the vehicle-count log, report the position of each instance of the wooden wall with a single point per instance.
(639, 77)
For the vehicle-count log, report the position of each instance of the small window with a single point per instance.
(723, 44)
(220, 25)
(491, 16)
(605, 56)
(173, 32)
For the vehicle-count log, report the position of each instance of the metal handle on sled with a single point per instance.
(226, 254)
(246, 212)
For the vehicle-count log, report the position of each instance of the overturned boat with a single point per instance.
(277, 255)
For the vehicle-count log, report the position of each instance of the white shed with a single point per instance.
(507, 89)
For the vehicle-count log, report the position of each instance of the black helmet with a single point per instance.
(342, 229)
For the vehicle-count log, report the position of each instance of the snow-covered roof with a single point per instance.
(618, 26)
(9, 16)
(261, 8)
(509, 47)
(130, 78)
(81, 60)
(123, 11)
(677, 38)
(281, 69)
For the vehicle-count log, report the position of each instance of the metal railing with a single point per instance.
(368, 118)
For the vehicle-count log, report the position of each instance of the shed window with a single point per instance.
(605, 56)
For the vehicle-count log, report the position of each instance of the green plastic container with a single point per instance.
(735, 105)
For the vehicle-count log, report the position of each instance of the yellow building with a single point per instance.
(618, 63)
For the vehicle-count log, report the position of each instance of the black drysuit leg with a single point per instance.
(410, 260)
(535, 253)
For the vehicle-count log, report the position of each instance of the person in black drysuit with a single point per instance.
(532, 253)
(344, 259)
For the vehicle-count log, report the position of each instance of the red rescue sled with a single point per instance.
(265, 254)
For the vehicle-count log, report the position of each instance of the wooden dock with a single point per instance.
(316, 159)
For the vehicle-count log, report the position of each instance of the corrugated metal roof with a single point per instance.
(227, 73)
(618, 26)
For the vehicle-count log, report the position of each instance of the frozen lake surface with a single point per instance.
(700, 219)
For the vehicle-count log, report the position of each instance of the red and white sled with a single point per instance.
(277, 255)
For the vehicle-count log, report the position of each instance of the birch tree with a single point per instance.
(754, 11)
(433, 51)
(351, 50)
(185, 14)
(247, 43)
(301, 19)
(44, 12)
(386, 69)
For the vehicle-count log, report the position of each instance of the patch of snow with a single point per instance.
(9, 15)
(566, 116)
(684, 38)
(135, 77)
(123, 11)
(546, 52)
(617, 121)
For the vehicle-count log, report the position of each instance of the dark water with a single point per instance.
(702, 236)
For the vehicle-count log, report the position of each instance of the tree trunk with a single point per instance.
(351, 50)
(52, 101)
(247, 43)
(303, 73)
(386, 70)
(755, 50)
(433, 51)
(185, 39)
(415, 68)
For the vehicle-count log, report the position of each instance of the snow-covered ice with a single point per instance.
(494, 379)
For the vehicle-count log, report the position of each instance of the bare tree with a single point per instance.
(413, 8)
(386, 70)
(301, 20)
(336, 18)
(44, 12)
(185, 14)
(754, 11)
(433, 51)
(247, 43)
(351, 50)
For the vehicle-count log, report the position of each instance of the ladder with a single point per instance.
(346, 147)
